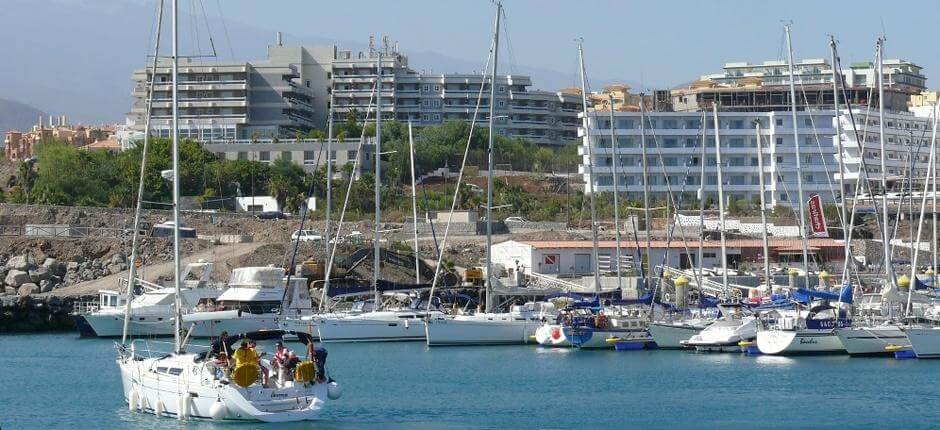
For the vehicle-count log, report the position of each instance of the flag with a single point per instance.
(817, 220)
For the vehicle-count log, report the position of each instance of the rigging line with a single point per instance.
(509, 50)
(822, 156)
(205, 18)
(228, 40)
(463, 165)
(349, 186)
(908, 173)
(669, 195)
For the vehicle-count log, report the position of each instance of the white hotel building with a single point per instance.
(674, 145)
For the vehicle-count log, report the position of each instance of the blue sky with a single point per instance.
(81, 50)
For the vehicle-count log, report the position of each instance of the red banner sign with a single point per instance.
(817, 220)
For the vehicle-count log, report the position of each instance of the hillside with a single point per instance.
(17, 116)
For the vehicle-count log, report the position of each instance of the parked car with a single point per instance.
(271, 215)
(516, 219)
(306, 235)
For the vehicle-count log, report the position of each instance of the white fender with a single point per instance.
(218, 410)
(158, 409)
(133, 400)
(142, 403)
(183, 407)
(334, 391)
(406, 324)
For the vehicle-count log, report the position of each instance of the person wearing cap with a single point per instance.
(245, 354)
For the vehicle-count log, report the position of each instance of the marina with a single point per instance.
(707, 267)
(511, 387)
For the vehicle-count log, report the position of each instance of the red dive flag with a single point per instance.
(817, 220)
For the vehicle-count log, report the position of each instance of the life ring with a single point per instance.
(556, 333)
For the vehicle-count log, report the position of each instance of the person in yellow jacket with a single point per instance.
(245, 354)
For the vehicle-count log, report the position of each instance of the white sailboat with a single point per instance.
(736, 325)
(185, 385)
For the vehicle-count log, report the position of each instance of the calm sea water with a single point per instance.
(60, 381)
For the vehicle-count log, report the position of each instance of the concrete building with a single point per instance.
(677, 138)
(543, 117)
(305, 152)
(290, 91)
(574, 257)
(21, 145)
(907, 146)
(226, 101)
(765, 86)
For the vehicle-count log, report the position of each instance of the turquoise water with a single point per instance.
(60, 381)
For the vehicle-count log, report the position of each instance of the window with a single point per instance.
(437, 117)
(624, 123)
(808, 122)
(501, 103)
(426, 88)
(437, 88)
(264, 156)
(309, 157)
(308, 83)
(502, 88)
(287, 155)
(242, 155)
(779, 140)
(779, 122)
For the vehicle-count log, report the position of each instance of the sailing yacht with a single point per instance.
(152, 312)
(737, 324)
(807, 331)
(185, 385)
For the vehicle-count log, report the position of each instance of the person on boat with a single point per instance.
(245, 354)
(318, 355)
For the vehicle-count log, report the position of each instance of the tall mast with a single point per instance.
(591, 188)
(763, 204)
(616, 156)
(327, 232)
(879, 51)
(646, 194)
(915, 240)
(414, 203)
(176, 184)
(376, 265)
(491, 164)
(132, 271)
(721, 203)
(933, 213)
(799, 170)
(836, 79)
(701, 203)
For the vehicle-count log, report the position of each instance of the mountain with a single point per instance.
(17, 116)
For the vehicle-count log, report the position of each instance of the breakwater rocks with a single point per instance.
(24, 314)
(26, 275)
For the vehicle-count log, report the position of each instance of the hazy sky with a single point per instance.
(656, 43)
(63, 54)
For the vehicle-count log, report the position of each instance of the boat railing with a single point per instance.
(85, 307)
(541, 281)
(149, 348)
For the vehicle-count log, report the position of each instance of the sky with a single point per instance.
(76, 56)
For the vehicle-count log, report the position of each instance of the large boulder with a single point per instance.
(10, 291)
(46, 286)
(19, 262)
(27, 289)
(118, 258)
(15, 278)
(71, 266)
(40, 274)
(54, 266)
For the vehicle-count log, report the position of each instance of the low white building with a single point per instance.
(255, 204)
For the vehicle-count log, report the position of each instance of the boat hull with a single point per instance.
(588, 338)
(793, 342)
(245, 323)
(924, 341)
(479, 331)
(671, 336)
(368, 330)
(112, 325)
(871, 340)
(148, 392)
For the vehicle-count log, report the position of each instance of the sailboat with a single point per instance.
(185, 385)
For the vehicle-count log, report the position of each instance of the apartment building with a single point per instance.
(907, 147)
(543, 117)
(225, 101)
(674, 150)
(21, 145)
(765, 86)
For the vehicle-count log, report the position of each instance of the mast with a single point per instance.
(329, 186)
(915, 240)
(376, 264)
(176, 185)
(132, 271)
(879, 51)
(616, 155)
(763, 204)
(414, 203)
(646, 194)
(836, 78)
(933, 217)
(701, 204)
(799, 171)
(721, 203)
(491, 160)
(591, 188)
